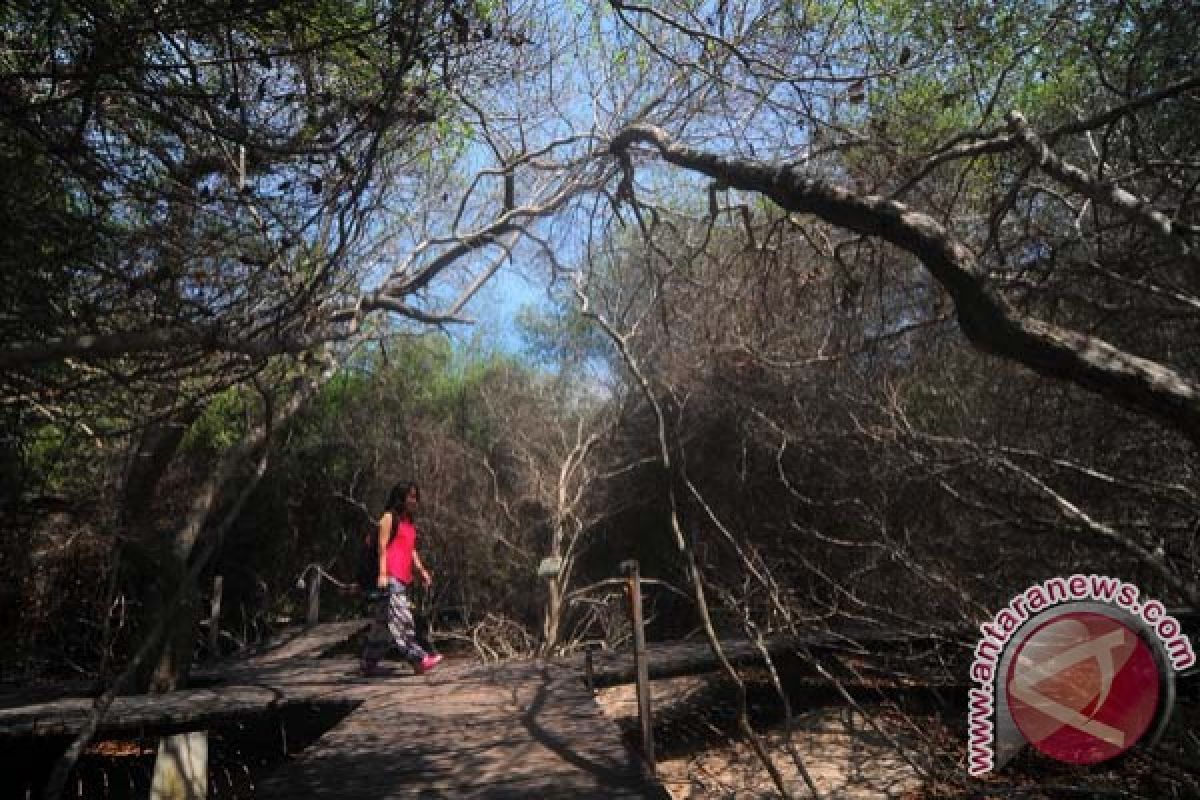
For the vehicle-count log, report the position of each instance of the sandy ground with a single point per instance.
(845, 757)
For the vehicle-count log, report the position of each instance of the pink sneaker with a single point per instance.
(427, 663)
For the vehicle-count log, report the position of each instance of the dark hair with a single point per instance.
(398, 494)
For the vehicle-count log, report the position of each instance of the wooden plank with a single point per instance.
(189, 709)
(611, 668)
(239, 691)
(310, 642)
(285, 652)
(675, 659)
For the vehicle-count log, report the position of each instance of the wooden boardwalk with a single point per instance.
(511, 730)
(293, 673)
(289, 674)
(514, 730)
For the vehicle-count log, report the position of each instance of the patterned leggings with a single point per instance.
(393, 623)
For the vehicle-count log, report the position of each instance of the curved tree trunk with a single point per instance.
(155, 557)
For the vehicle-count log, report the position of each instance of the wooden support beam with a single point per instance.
(181, 767)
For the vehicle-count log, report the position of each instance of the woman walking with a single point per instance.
(397, 553)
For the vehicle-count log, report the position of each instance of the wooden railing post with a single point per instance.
(589, 669)
(314, 597)
(214, 617)
(640, 662)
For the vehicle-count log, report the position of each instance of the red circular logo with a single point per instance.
(1083, 687)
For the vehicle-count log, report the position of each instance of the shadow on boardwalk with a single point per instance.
(517, 730)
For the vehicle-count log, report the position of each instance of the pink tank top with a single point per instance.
(400, 551)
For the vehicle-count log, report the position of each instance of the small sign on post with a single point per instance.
(550, 567)
(640, 662)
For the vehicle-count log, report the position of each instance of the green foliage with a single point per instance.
(44, 454)
(428, 378)
(962, 66)
(560, 338)
(419, 408)
(222, 424)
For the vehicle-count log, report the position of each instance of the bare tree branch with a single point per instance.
(984, 316)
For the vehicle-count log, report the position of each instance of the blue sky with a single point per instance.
(496, 306)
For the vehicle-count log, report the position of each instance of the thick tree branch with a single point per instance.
(210, 338)
(215, 338)
(1132, 207)
(987, 320)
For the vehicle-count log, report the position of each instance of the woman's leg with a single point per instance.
(400, 622)
(378, 635)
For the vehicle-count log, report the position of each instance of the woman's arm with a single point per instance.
(426, 578)
(385, 533)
